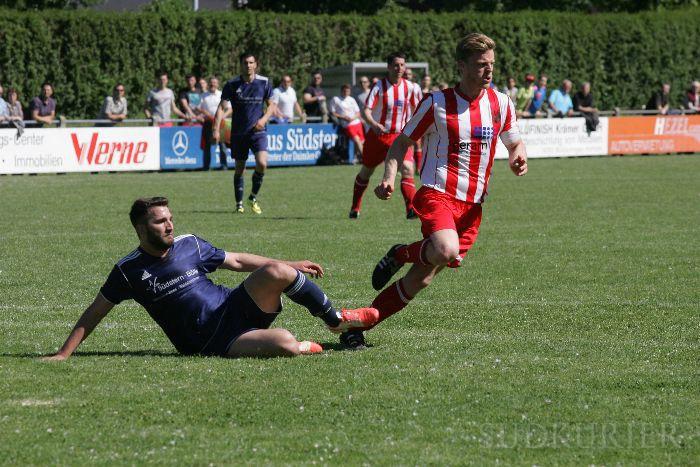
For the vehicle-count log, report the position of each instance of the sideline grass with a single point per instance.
(570, 337)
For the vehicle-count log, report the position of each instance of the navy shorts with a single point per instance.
(241, 144)
(239, 315)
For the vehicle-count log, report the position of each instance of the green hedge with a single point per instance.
(84, 53)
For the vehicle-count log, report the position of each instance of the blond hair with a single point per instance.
(473, 43)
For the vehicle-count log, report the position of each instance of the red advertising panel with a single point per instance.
(654, 134)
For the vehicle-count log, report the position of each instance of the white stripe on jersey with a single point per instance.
(459, 139)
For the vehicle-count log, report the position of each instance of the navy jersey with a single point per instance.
(175, 290)
(247, 102)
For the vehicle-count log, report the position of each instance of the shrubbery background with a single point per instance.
(84, 52)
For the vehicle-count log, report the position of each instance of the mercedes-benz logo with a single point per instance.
(180, 143)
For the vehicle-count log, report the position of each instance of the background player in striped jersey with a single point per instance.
(460, 126)
(167, 275)
(417, 147)
(386, 111)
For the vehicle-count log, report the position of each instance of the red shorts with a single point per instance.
(376, 147)
(355, 130)
(439, 211)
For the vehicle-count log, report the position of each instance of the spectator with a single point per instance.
(425, 84)
(538, 99)
(691, 100)
(583, 102)
(315, 99)
(286, 99)
(346, 110)
(442, 86)
(659, 99)
(365, 88)
(560, 104)
(160, 102)
(512, 89)
(44, 106)
(524, 97)
(4, 108)
(15, 115)
(114, 106)
(211, 98)
(190, 97)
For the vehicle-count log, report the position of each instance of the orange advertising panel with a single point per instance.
(654, 134)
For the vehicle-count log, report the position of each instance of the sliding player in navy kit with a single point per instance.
(167, 275)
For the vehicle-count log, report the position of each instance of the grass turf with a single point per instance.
(570, 336)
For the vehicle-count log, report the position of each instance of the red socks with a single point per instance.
(408, 190)
(413, 253)
(358, 191)
(391, 300)
(418, 158)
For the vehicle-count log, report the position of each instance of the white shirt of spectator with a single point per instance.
(347, 107)
(210, 102)
(160, 101)
(285, 100)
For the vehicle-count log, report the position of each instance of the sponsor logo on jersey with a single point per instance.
(482, 132)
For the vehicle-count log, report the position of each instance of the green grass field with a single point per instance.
(571, 336)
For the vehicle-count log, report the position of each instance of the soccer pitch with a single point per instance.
(570, 336)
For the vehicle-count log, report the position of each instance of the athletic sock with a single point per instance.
(238, 188)
(418, 159)
(408, 190)
(391, 300)
(413, 253)
(358, 191)
(257, 183)
(305, 293)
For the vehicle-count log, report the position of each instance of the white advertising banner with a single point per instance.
(560, 137)
(41, 150)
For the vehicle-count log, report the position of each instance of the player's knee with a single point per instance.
(407, 170)
(279, 272)
(445, 253)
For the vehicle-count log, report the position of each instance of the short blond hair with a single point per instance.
(473, 43)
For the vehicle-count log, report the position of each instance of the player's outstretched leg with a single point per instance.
(258, 174)
(266, 284)
(361, 182)
(238, 185)
(270, 343)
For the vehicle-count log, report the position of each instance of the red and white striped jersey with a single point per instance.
(459, 139)
(390, 103)
(416, 97)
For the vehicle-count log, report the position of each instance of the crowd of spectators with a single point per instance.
(197, 100)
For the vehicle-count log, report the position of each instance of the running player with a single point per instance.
(386, 110)
(247, 94)
(460, 126)
(167, 275)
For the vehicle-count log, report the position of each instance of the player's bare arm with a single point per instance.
(394, 159)
(89, 320)
(247, 262)
(221, 112)
(517, 158)
(271, 106)
(367, 113)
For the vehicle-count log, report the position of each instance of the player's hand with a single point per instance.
(54, 358)
(216, 135)
(384, 190)
(259, 125)
(379, 128)
(518, 165)
(308, 267)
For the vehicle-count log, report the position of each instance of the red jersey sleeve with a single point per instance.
(421, 120)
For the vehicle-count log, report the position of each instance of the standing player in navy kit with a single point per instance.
(167, 275)
(247, 94)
